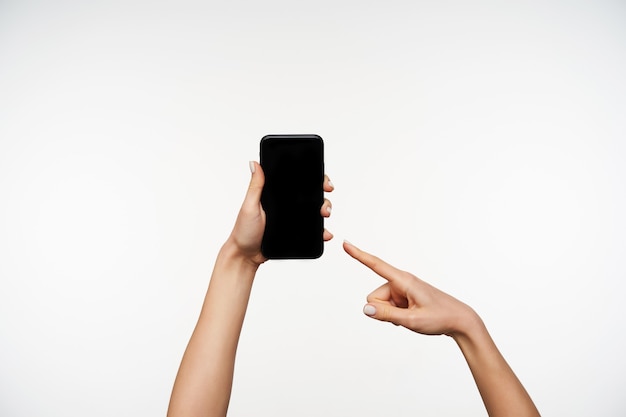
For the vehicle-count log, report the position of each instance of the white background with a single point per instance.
(479, 145)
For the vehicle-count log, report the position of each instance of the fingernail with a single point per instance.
(369, 310)
(252, 167)
(347, 242)
(330, 183)
(329, 209)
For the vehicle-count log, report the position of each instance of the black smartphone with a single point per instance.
(293, 196)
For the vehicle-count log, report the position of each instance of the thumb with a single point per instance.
(385, 312)
(253, 196)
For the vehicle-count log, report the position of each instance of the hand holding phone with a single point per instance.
(292, 196)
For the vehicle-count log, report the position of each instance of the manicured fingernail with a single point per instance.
(347, 242)
(369, 310)
(329, 209)
(330, 183)
(252, 167)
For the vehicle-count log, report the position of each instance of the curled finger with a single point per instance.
(328, 185)
(326, 208)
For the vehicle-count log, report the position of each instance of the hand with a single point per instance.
(408, 301)
(247, 234)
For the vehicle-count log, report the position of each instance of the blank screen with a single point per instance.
(292, 196)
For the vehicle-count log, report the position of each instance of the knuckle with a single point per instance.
(374, 262)
(384, 313)
(407, 275)
(415, 321)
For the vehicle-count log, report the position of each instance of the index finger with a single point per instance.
(382, 268)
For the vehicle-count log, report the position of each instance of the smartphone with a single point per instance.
(293, 195)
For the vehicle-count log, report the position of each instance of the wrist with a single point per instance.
(469, 325)
(472, 335)
(230, 254)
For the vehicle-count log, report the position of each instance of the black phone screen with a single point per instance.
(292, 196)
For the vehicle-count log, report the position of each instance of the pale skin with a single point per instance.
(204, 380)
(407, 301)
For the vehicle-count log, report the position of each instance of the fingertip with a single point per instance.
(369, 310)
(351, 248)
(257, 172)
(326, 209)
(255, 168)
(328, 185)
(257, 182)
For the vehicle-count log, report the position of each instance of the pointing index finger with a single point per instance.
(382, 268)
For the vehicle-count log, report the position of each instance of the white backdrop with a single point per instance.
(479, 145)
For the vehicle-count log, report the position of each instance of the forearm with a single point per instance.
(501, 391)
(204, 380)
